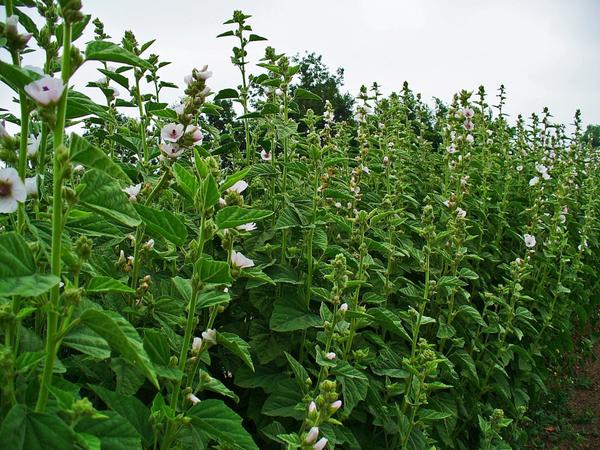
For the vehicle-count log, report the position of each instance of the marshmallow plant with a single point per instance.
(173, 276)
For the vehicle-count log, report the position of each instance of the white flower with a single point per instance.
(172, 132)
(31, 186)
(519, 168)
(386, 160)
(196, 345)
(468, 113)
(78, 168)
(546, 176)
(192, 398)
(541, 168)
(312, 435)
(336, 405)
(178, 108)
(366, 170)
(330, 356)
(452, 149)
(344, 307)
(239, 187)
(247, 226)
(222, 201)
(204, 74)
(240, 261)
(133, 191)
(529, 240)
(149, 245)
(265, 155)
(312, 407)
(461, 213)
(210, 336)
(11, 24)
(562, 218)
(470, 139)
(320, 445)
(171, 150)
(12, 190)
(3, 132)
(33, 144)
(446, 203)
(45, 91)
(195, 133)
(338, 205)
(534, 181)
(278, 92)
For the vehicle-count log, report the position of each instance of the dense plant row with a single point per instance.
(400, 280)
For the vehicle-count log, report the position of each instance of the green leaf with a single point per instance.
(17, 269)
(389, 321)
(215, 419)
(290, 314)
(107, 51)
(114, 431)
(130, 408)
(226, 93)
(472, 313)
(122, 336)
(103, 195)
(185, 180)
(256, 37)
(28, 430)
(102, 284)
(237, 346)
(212, 298)
(84, 153)
(300, 372)
(233, 216)
(306, 95)
(80, 105)
(163, 223)
(88, 342)
(211, 271)
(16, 77)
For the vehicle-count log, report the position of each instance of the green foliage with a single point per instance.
(404, 278)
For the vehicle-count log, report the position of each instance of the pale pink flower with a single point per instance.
(330, 356)
(265, 155)
(344, 307)
(320, 445)
(3, 132)
(195, 133)
(171, 150)
(196, 345)
(312, 435)
(240, 261)
(312, 407)
(247, 226)
(386, 160)
(45, 91)
(31, 186)
(470, 139)
(172, 132)
(133, 191)
(336, 405)
(468, 113)
(210, 336)
(12, 190)
(193, 399)
(452, 149)
(178, 108)
(366, 170)
(239, 187)
(529, 240)
(33, 144)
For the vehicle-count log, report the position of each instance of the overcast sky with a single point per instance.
(546, 52)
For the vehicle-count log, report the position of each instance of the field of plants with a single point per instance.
(266, 276)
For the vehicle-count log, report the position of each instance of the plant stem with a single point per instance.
(57, 172)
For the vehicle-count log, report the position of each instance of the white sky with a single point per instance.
(546, 52)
